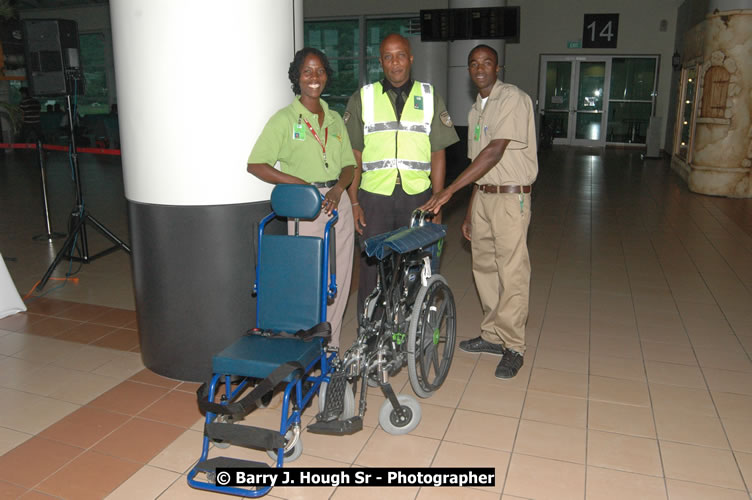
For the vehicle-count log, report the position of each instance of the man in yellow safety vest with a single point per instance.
(399, 129)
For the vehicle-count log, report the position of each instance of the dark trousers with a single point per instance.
(383, 213)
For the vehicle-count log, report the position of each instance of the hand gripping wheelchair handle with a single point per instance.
(419, 217)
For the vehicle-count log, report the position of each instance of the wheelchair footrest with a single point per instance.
(211, 465)
(244, 435)
(335, 397)
(337, 427)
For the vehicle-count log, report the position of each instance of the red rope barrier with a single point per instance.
(53, 147)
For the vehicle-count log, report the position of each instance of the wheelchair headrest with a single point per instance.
(296, 201)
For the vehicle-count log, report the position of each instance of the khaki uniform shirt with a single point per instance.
(508, 114)
(442, 133)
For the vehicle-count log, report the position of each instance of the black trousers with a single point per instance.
(383, 213)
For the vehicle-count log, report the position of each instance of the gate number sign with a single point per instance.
(599, 31)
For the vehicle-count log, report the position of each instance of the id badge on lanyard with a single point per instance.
(476, 135)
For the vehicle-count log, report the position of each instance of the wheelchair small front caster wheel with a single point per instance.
(400, 421)
(291, 453)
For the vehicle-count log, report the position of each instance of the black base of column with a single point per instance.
(193, 272)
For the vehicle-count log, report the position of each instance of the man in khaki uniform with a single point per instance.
(502, 147)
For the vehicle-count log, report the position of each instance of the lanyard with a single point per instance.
(316, 136)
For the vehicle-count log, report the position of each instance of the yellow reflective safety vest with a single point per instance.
(393, 145)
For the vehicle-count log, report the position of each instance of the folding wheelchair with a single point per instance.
(408, 319)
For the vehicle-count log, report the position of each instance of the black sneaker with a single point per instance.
(509, 365)
(479, 345)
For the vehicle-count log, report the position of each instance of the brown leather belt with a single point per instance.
(490, 188)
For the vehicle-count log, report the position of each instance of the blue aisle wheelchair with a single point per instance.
(288, 345)
(409, 319)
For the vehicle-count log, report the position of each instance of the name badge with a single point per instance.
(418, 102)
(298, 132)
(476, 135)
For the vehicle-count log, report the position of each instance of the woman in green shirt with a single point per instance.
(310, 143)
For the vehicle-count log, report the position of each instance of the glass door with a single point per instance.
(572, 91)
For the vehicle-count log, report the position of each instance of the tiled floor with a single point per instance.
(637, 383)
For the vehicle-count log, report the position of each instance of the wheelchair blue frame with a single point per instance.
(256, 356)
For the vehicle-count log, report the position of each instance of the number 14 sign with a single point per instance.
(599, 31)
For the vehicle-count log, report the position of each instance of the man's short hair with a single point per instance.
(483, 46)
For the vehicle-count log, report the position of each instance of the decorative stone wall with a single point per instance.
(721, 160)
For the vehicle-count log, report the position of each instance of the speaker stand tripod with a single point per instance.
(80, 218)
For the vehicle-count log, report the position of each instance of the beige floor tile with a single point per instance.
(690, 428)
(492, 398)
(415, 451)
(559, 359)
(87, 358)
(579, 342)
(125, 365)
(699, 464)
(148, 482)
(736, 406)
(374, 493)
(674, 374)
(676, 398)
(482, 429)
(610, 366)
(448, 395)
(620, 347)
(181, 454)
(684, 490)
(558, 382)
(544, 479)
(622, 391)
(745, 465)
(29, 413)
(669, 353)
(9, 439)
(456, 494)
(453, 454)
(555, 409)
(739, 433)
(608, 484)
(322, 492)
(729, 381)
(434, 422)
(625, 453)
(622, 419)
(545, 440)
(726, 360)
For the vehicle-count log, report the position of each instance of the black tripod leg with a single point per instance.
(67, 248)
(102, 229)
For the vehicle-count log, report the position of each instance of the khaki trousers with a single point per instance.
(501, 265)
(345, 239)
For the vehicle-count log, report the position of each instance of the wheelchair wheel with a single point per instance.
(349, 407)
(293, 453)
(431, 337)
(397, 423)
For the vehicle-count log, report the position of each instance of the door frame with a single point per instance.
(574, 95)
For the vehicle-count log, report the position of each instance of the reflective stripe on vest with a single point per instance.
(391, 144)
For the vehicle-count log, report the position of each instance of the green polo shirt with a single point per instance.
(442, 133)
(286, 139)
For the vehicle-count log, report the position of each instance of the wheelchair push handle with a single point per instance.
(419, 217)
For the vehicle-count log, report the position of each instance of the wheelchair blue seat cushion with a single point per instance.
(258, 356)
(296, 201)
